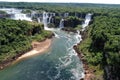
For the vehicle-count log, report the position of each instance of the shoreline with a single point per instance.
(37, 49)
(89, 74)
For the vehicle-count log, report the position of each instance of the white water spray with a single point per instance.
(87, 20)
(21, 16)
(38, 19)
(61, 25)
(66, 14)
(69, 59)
(50, 18)
(45, 22)
(16, 14)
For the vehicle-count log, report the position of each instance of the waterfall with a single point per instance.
(76, 14)
(50, 18)
(11, 10)
(62, 60)
(66, 14)
(61, 25)
(87, 20)
(45, 17)
(33, 14)
(38, 19)
(53, 14)
(46, 21)
(21, 16)
(16, 14)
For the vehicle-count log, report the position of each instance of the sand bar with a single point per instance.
(38, 48)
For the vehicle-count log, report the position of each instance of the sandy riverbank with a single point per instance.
(38, 48)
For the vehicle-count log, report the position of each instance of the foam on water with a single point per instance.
(57, 75)
(56, 35)
(76, 71)
(67, 60)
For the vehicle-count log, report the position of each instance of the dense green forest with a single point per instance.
(105, 37)
(16, 37)
(101, 47)
(63, 7)
(3, 12)
(101, 43)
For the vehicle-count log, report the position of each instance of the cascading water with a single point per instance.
(33, 14)
(45, 20)
(69, 57)
(66, 14)
(16, 14)
(61, 25)
(11, 10)
(68, 61)
(50, 18)
(59, 63)
(21, 16)
(38, 19)
(87, 20)
(53, 14)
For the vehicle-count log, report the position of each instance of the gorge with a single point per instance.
(93, 30)
(60, 62)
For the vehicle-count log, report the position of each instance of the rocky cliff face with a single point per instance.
(112, 72)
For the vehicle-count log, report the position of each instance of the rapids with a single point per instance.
(59, 63)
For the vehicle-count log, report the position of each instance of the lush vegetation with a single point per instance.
(101, 47)
(101, 44)
(63, 7)
(26, 11)
(2, 12)
(70, 21)
(106, 36)
(16, 37)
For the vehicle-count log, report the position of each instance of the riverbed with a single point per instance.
(59, 63)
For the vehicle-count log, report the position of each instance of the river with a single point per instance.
(60, 62)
